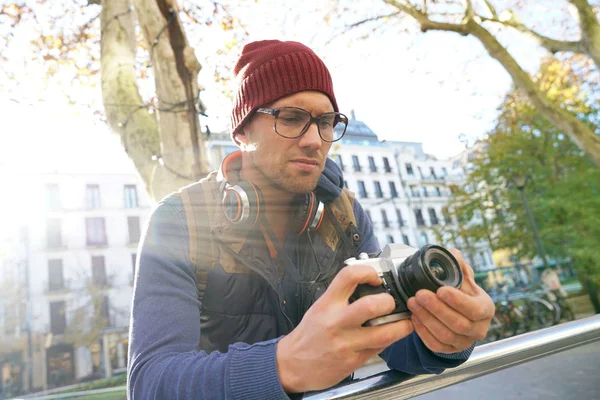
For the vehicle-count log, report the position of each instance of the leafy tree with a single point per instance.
(562, 183)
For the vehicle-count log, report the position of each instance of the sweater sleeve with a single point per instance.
(164, 361)
(409, 355)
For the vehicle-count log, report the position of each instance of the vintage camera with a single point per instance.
(403, 271)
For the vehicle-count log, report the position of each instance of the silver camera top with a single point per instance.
(394, 253)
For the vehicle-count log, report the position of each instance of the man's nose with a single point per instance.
(311, 138)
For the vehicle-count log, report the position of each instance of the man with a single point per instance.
(241, 292)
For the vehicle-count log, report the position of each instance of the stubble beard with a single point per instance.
(279, 179)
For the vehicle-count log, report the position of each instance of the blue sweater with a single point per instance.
(164, 362)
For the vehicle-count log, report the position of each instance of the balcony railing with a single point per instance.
(485, 359)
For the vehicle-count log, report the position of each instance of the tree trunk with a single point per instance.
(176, 71)
(166, 147)
(120, 94)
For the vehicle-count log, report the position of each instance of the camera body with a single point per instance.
(404, 270)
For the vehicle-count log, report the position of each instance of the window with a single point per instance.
(92, 197)
(356, 163)
(98, 271)
(101, 311)
(52, 197)
(346, 184)
(409, 169)
(390, 239)
(54, 233)
(405, 240)
(362, 191)
(58, 320)
(444, 172)
(384, 219)
(420, 172)
(424, 191)
(133, 223)
(399, 216)
(393, 191)
(424, 239)
(455, 164)
(419, 217)
(378, 192)
(432, 172)
(386, 165)
(438, 192)
(433, 216)
(338, 160)
(131, 200)
(55, 275)
(413, 191)
(372, 166)
(96, 232)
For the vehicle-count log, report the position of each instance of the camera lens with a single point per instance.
(438, 270)
(431, 267)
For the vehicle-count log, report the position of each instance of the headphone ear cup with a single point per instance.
(242, 203)
(310, 213)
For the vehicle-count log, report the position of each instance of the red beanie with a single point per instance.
(270, 69)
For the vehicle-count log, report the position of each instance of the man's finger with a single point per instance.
(382, 336)
(466, 268)
(438, 328)
(429, 340)
(366, 308)
(474, 308)
(349, 277)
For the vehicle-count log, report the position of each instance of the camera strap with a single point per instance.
(346, 242)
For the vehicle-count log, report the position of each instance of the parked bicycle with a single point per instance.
(517, 316)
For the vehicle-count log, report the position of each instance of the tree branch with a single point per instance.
(549, 44)
(590, 29)
(425, 23)
(364, 21)
(469, 12)
(580, 133)
(491, 9)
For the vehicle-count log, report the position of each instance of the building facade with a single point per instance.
(74, 265)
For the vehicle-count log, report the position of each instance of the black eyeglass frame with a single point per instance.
(275, 113)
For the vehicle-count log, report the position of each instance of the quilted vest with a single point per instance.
(242, 283)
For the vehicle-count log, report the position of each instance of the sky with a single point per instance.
(430, 88)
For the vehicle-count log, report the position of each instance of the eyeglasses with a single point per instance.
(293, 122)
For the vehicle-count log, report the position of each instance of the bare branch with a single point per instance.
(469, 12)
(425, 23)
(590, 29)
(552, 45)
(364, 21)
(491, 9)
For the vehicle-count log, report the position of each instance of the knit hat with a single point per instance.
(270, 69)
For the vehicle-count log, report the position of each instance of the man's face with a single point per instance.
(293, 165)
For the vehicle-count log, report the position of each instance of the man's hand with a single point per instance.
(451, 320)
(330, 342)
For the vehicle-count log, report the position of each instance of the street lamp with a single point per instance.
(520, 181)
